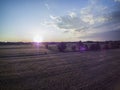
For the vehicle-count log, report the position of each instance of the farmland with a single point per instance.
(29, 67)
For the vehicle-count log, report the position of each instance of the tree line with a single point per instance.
(80, 46)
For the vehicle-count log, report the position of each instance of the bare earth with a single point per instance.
(30, 70)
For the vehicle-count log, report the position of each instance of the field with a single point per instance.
(32, 67)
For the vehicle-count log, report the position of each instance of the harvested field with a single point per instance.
(31, 69)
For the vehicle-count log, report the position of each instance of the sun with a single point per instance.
(38, 39)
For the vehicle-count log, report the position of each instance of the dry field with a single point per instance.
(26, 67)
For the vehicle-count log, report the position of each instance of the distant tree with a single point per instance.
(115, 45)
(86, 47)
(61, 46)
(73, 48)
(46, 45)
(106, 46)
(95, 46)
(80, 45)
(92, 47)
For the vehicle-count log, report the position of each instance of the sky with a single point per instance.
(59, 20)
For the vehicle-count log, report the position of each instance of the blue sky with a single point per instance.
(59, 20)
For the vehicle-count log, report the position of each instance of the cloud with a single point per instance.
(117, 0)
(77, 22)
(69, 22)
(103, 36)
(90, 20)
(88, 17)
(55, 18)
(115, 14)
(47, 6)
(93, 13)
(72, 14)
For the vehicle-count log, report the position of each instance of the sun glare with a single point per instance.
(38, 39)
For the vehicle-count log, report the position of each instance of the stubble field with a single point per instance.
(26, 67)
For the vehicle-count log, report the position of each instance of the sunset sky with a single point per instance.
(59, 20)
